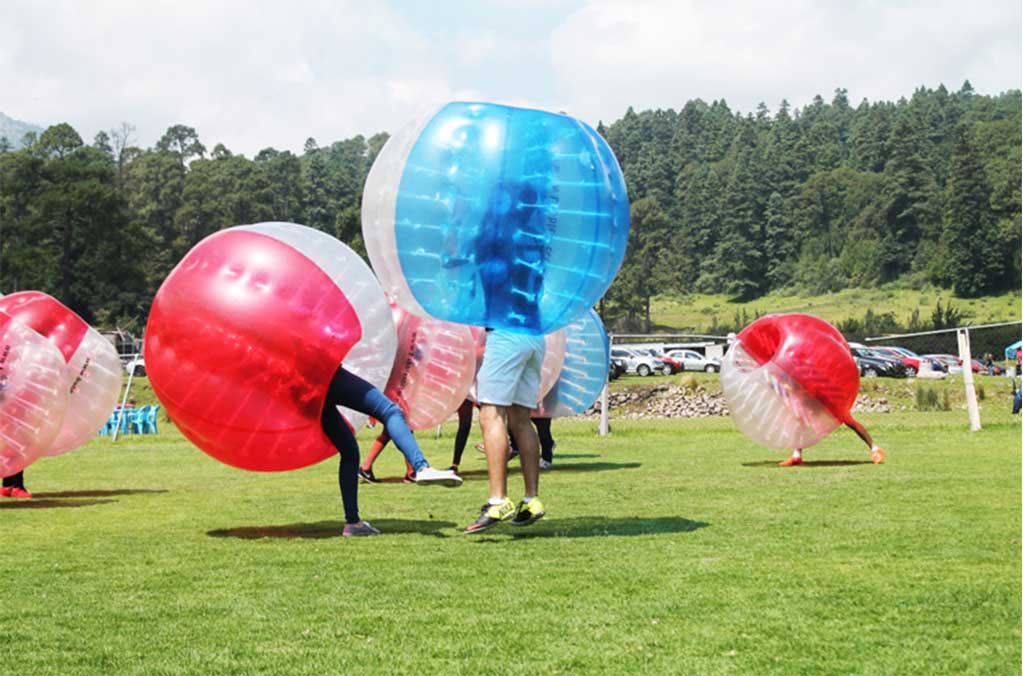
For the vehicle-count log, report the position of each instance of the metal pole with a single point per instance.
(120, 411)
(971, 395)
(605, 424)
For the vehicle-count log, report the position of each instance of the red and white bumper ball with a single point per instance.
(32, 395)
(246, 333)
(91, 368)
(790, 380)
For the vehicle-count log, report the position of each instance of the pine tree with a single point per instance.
(975, 265)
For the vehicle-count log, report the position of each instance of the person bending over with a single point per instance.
(350, 391)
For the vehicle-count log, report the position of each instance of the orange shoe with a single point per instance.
(18, 493)
(877, 455)
(790, 462)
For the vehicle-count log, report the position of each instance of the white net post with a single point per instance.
(605, 424)
(971, 395)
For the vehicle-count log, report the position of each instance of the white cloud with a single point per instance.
(257, 74)
(649, 54)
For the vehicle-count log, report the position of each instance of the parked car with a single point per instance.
(694, 361)
(873, 364)
(639, 363)
(909, 358)
(616, 368)
(136, 366)
(673, 365)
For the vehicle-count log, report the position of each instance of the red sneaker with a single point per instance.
(877, 455)
(19, 493)
(790, 462)
(5, 492)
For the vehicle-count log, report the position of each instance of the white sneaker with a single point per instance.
(441, 477)
(360, 529)
(545, 464)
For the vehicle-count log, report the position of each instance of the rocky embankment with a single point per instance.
(674, 401)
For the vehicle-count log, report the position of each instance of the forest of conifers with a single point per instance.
(924, 190)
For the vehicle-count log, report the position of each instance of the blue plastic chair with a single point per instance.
(150, 422)
(138, 420)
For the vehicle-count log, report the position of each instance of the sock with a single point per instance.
(528, 498)
(496, 501)
(798, 453)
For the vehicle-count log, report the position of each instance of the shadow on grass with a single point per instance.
(570, 467)
(598, 526)
(50, 504)
(809, 463)
(330, 529)
(98, 493)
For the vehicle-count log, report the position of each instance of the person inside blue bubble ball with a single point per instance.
(510, 252)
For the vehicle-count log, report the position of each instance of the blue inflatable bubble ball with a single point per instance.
(495, 216)
(584, 372)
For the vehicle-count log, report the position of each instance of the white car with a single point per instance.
(694, 361)
(136, 366)
(638, 363)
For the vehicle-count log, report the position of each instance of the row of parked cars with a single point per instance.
(646, 361)
(898, 362)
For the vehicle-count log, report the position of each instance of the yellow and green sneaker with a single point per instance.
(491, 515)
(528, 512)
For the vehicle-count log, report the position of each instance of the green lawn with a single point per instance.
(697, 312)
(670, 547)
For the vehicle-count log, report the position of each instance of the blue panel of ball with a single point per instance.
(509, 218)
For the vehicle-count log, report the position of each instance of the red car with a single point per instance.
(910, 359)
(978, 367)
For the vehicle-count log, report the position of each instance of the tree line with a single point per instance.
(924, 190)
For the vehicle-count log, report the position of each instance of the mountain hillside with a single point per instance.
(13, 130)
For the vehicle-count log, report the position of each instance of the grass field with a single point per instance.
(697, 312)
(670, 547)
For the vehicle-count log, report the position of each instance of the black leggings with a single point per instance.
(464, 426)
(350, 391)
(15, 480)
(543, 432)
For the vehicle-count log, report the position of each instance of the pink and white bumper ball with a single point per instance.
(32, 396)
(553, 360)
(790, 380)
(246, 333)
(433, 369)
(92, 370)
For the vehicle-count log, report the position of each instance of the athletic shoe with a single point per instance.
(491, 515)
(789, 462)
(409, 478)
(5, 491)
(16, 492)
(877, 455)
(442, 477)
(361, 529)
(528, 512)
(366, 476)
(454, 468)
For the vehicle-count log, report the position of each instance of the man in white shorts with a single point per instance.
(508, 384)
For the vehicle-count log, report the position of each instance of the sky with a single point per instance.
(257, 74)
